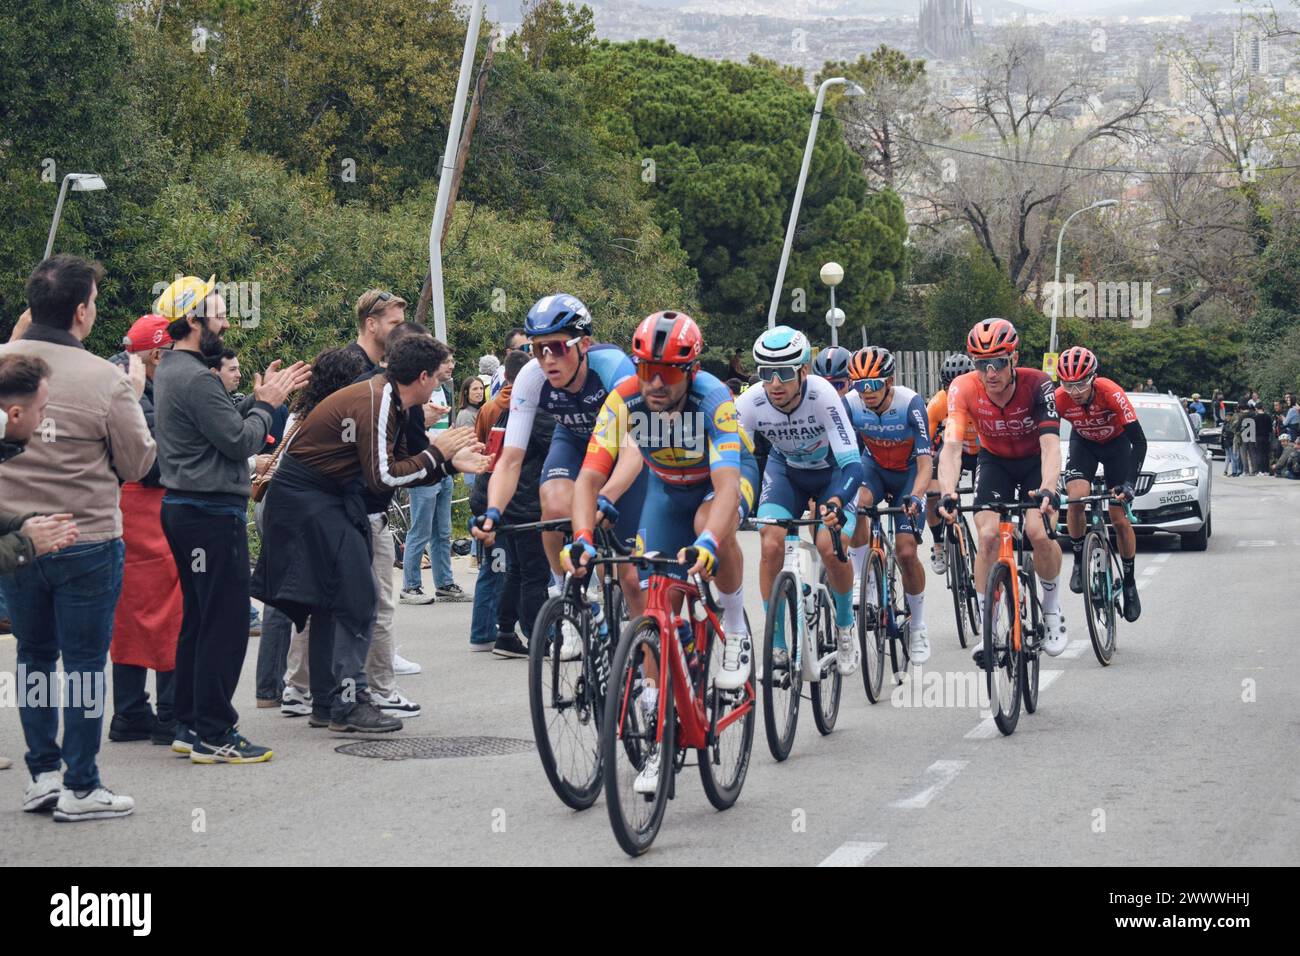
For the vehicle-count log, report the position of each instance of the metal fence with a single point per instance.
(919, 371)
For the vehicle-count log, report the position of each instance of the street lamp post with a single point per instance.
(448, 170)
(833, 274)
(81, 183)
(852, 90)
(1056, 284)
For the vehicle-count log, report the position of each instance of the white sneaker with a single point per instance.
(939, 559)
(846, 650)
(295, 703)
(571, 646)
(396, 704)
(416, 595)
(553, 590)
(647, 781)
(43, 792)
(404, 667)
(98, 804)
(919, 647)
(1057, 636)
(735, 662)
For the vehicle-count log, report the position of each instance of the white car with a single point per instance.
(1179, 500)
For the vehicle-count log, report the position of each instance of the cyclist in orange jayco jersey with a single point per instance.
(1014, 411)
(959, 363)
(1106, 433)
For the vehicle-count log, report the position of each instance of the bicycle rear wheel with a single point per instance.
(781, 686)
(826, 692)
(872, 626)
(630, 736)
(1099, 596)
(724, 764)
(565, 707)
(961, 581)
(1001, 659)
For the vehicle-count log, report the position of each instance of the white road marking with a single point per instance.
(1046, 678)
(946, 771)
(1150, 569)
(1160, 558)
(853, 853)
(1074, 649)
(986, 729)
(1257, 543)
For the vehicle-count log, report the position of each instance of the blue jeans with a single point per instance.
(431, 530)
(62, 605)
(487, 601)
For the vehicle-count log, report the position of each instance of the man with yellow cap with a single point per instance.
(204, 442)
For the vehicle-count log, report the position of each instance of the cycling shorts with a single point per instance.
(564, 460)
(1006, 479)
(786, 491)
(892, 486)
(1112, 457)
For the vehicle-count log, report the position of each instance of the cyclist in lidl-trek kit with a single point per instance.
(1014, 411)
(1105, 433)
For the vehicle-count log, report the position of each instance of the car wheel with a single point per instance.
(1200, 540)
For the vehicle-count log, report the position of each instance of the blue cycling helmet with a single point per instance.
(557, 313)
(832, 362)
(782, 345)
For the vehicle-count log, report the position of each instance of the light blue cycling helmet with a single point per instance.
(832, 362)
(782, 345)
(557, 313)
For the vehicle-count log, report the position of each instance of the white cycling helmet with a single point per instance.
(782, 345)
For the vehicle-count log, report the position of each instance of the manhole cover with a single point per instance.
(435, 748)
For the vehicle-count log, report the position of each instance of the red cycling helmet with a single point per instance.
(1076, 364)
(992, 338)
(671, 337)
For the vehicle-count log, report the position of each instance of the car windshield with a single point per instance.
(1160, 422)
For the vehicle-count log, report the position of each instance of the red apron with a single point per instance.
(148, 618)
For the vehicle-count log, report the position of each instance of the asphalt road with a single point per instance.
(1182, 752)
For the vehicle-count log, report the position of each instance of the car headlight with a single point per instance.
(1177, 474)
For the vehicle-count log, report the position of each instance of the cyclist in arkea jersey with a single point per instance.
(569, 377)
(958, 363)
(1105, 432)
(891, 422)
(1014, 411)
(813, 457)
(702, 477)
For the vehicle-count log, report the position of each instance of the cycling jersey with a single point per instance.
(1103, 419)
(937, 411)
(814, 436)
(575, 412)
(893, 438)
(1011, 430)
(680, 448)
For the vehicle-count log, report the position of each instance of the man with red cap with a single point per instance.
(147, 621)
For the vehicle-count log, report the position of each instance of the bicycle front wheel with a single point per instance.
(631, 739)
(1001, 659)
(565, 705)
(781, 685)
(730, 716)
(872, 626)
(1029, 624)
(826, 692)
(1099, 596)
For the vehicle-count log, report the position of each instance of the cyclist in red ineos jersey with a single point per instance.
(1014, 411)
(1106, 433)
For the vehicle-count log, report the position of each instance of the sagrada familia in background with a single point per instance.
(946, 28)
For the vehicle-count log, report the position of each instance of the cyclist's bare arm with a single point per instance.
(626, 468)
(1050, 448)
(501, 488)
(585, 489)
(924, 468)
(726, 501)
(949, 463)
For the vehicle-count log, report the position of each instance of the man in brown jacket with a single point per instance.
(92, 437)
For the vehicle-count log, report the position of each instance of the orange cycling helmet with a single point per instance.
(992, 338)
(1076, 364)
(871, 362)
(671, 337)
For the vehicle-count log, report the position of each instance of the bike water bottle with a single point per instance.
(686, 637)
(598, 620)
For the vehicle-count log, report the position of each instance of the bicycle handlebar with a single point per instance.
(837, 534)
(877, 511)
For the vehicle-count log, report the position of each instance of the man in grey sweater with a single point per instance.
(204, 442)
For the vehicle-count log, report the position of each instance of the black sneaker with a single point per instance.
(1076, 577)
(184, 741)
(231, 747)
(450, 592)
(319, 718)
(163, 733)
(366, 718)
(509, 645)
(1132, 603)
(121, 729)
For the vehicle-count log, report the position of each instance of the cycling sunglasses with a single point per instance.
(669, 373)
(991, 364)
(555, 349)
(778, 373)
(870, 384)
(1080, 386)
(838, 383)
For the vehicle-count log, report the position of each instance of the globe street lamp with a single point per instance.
(833, 274)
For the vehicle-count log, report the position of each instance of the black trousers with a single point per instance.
(528, 576)
(131, 698)
(211, 552)
(337, 659)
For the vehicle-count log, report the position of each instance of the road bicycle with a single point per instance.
(960, 545)
(883, 617)
(684, 650)
(805, 609)
(1103, 571)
